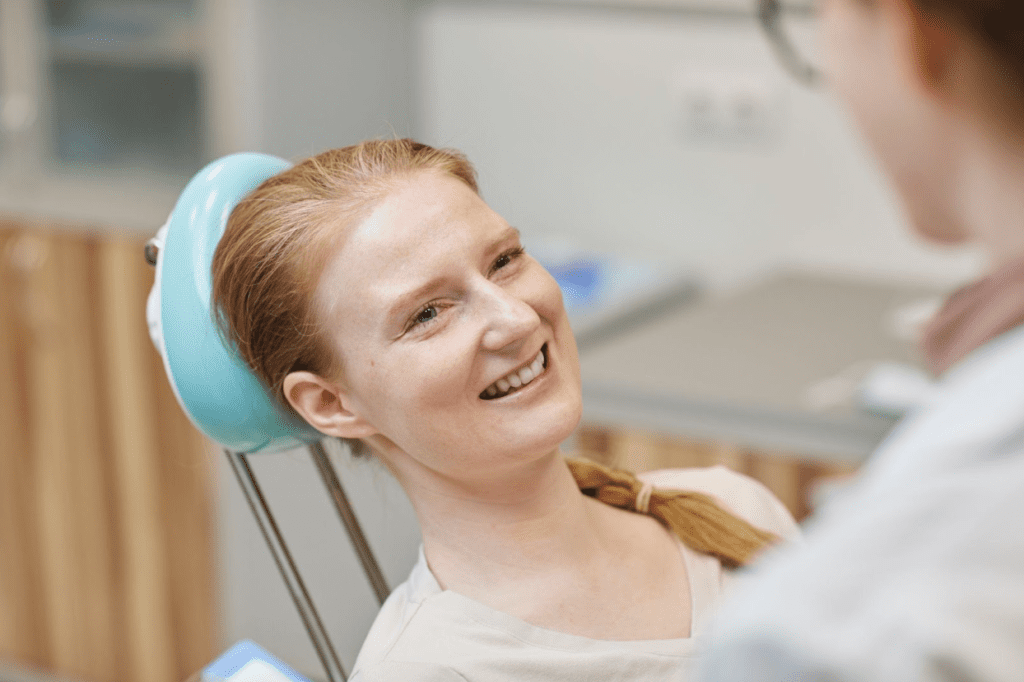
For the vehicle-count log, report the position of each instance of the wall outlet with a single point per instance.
(728, 107)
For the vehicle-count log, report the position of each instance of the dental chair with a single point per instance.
(215, 388)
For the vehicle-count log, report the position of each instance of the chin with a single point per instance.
(556, 426)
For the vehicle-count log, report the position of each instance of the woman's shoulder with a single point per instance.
(396, 615)
(744, 496)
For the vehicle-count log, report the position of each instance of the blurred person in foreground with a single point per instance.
(916, 570)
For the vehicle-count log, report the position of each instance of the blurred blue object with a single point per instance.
(580, 281)
(606, 294)
(221, 396)
(247, 661)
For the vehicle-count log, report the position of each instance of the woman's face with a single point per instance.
(436, 313)
(871, 66)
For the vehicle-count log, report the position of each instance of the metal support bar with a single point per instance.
(349, 520)
(286, 565)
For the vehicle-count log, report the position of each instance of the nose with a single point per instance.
(509, 319)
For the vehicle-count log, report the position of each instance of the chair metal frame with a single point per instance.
(282, 556)
(320, 638)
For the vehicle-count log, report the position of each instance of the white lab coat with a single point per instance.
(916, 570)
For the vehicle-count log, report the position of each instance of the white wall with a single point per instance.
(329, 73)
(573, 120)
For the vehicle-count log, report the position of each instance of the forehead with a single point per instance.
(422, 229)
(421, 210)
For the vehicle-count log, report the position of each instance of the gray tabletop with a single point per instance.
(743, 368)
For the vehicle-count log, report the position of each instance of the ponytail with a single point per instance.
(693, 517)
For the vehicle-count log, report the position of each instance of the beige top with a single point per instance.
(424, 633)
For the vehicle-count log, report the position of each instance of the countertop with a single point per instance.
(744, 368)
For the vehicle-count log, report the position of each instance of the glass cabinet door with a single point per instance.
(4, 47)
(20, 50)
(124, 88)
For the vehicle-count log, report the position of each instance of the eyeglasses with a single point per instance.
(777, 19)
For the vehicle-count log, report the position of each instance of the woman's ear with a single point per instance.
(927, 45)
(325, 406)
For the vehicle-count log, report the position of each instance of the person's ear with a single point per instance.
(325, 406)
(926, 44)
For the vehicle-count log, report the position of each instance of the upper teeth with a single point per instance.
(517, 379)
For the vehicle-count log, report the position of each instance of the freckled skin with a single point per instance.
(502, 518)
(417, 386)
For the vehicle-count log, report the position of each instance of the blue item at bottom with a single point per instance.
(243, 653)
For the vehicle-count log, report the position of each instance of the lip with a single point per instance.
(546, 349)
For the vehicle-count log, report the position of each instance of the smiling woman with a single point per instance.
(379, 298)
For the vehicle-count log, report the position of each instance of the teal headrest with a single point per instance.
(221, 396)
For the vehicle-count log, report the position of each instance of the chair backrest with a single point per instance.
(218, 392)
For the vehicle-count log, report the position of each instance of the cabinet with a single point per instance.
(107, 107)
(106, 505)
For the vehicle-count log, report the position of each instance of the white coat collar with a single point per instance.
(977, 412)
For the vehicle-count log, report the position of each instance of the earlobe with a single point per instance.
(325, 406)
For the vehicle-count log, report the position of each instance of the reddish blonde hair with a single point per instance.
(279, 238)
(998, 23)
(270, 259)
(693, 517)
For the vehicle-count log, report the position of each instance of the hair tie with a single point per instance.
(643, 498)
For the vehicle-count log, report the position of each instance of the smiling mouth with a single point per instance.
(518, 379)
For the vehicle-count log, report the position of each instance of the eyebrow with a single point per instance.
(406, 300)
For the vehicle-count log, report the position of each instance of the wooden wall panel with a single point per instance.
(67, 523)
(106, 569)
(136, 462)
(23, 624)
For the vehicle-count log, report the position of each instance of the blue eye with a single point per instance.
(425, 315)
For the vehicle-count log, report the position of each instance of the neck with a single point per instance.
(478, 537)
(992, 197)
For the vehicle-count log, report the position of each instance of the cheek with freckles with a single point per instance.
(411, 395)
(544, 295)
